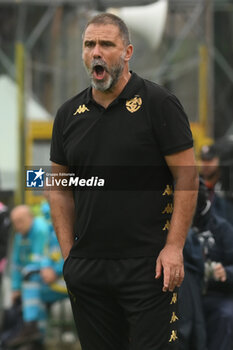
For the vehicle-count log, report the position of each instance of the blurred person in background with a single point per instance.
(54, 256)
(206, 296)
(123, 249)
(192, 329)
(225, 150)
(4, 236)
(216, 168)
(209, 167)
(35, 271)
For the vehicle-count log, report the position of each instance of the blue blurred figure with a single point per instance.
(36, 274)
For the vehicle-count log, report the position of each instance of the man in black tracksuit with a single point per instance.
(122, 242)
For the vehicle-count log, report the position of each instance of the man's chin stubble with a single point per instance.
(103, 87)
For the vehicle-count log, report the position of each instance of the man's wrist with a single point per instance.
(175, 244)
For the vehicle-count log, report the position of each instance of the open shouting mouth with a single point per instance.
(99, 70)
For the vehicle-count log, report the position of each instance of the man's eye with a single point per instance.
(107, 44)
(89, 44)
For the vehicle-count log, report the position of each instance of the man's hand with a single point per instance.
(48, 275)
(220, 272)
(170, 261)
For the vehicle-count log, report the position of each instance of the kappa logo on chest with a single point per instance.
(134, 104)
(81, 109)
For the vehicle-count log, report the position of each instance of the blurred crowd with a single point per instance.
(206, 295)
(36, 278)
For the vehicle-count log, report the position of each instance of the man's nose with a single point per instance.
(97, 51)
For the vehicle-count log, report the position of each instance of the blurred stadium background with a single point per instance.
(184, 45)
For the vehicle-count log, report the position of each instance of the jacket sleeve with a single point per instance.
(39, 247)
(16, 267)
(229, 272)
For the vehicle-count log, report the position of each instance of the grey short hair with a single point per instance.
(109, 18)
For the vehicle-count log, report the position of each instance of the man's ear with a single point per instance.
(129, 52)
